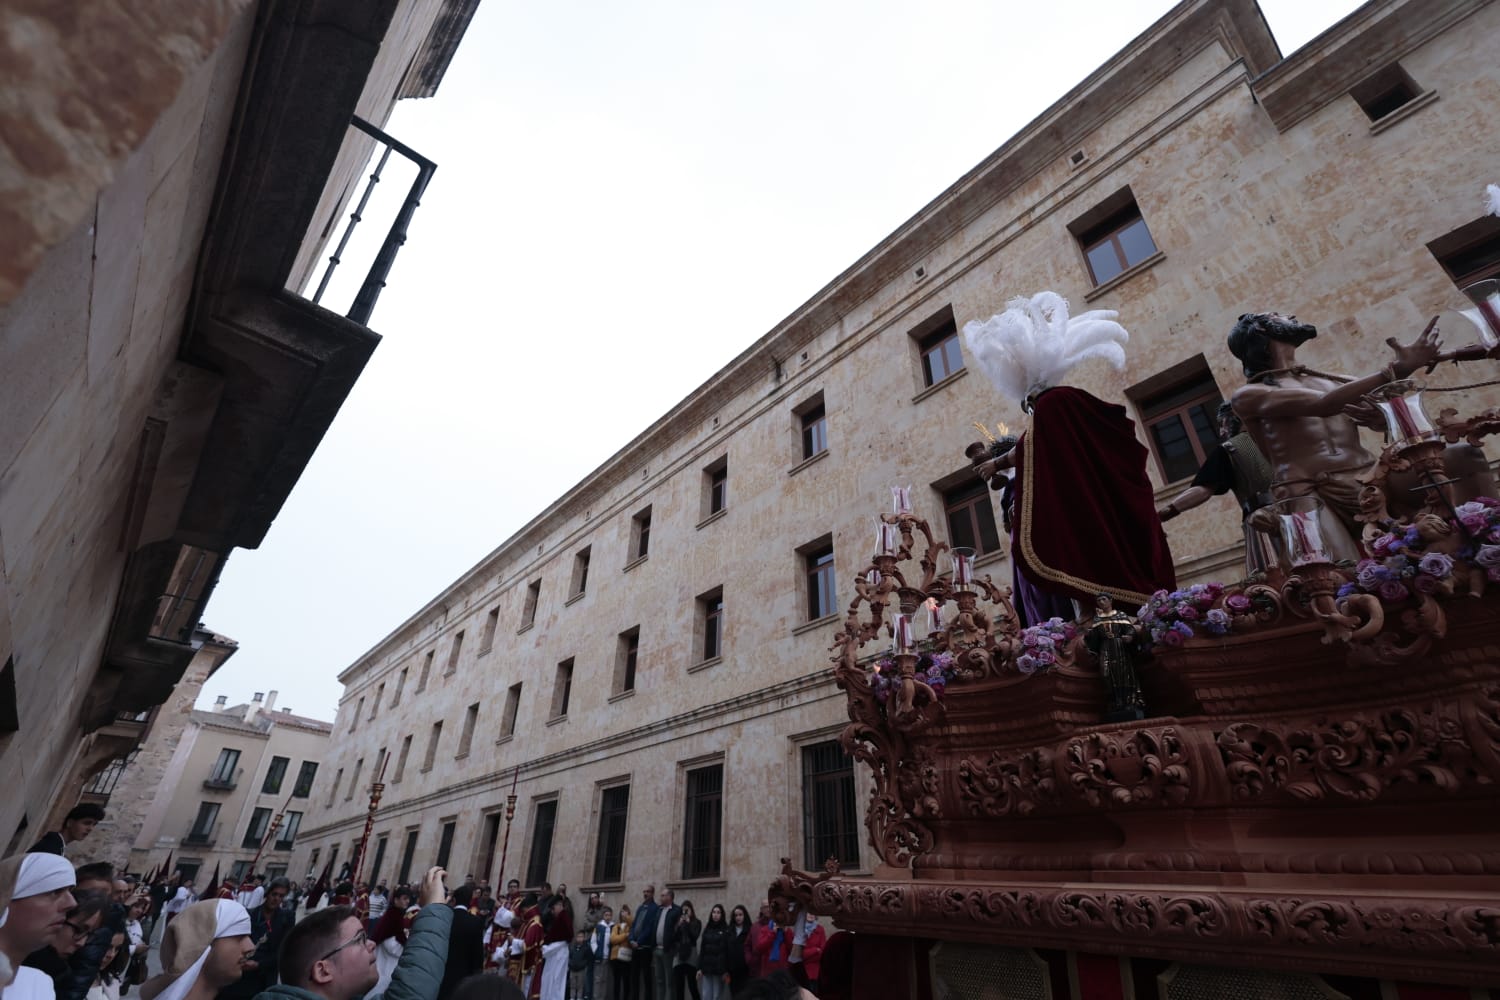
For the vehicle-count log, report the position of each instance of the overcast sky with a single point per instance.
(628, 195)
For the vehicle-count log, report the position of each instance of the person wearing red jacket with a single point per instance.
(770, 947)
(807, 949)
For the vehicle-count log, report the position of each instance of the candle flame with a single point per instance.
(1003, 428)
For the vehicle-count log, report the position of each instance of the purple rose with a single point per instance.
(1368, 576)
(1238, 603)
(1488, 556)
(1382, 545)
(1172, 638)
(1026, 663)
(1393, 592)
(1046, 657)
(1436, 563)
(1188, 613)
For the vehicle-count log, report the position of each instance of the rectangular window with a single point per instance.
(426, 671)
(275, 775)
(701, 822)
(1388, 90)
(333, 793)
(1113, 236)
(445, 844)
(971, 517)
(817, 569)
(287, 836)
(544, 819)
(458, 645)
(256, 831)
(939, 348)
(609, 852)
(1178, 410)
(375, 705)
(402, 758)
(627, 656)
(814, 421)
(640, 535)
(400, 686)
(466, 737)
(581, 571)
(830, 817)
(487, 637)
(512, 708)
(222, 776)
(354, 719)
(1471, 252)
(432, 746)
(379, 861)
(716, 487)
(305, 776)
(528, 610)
(711, 628)
(491, 841)
(237, 871)
(202, 830)
(359, 765)
(562, 688)
(407, 854)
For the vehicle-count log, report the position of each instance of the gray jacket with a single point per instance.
(418, 974)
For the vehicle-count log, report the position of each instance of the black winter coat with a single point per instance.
(713, 951)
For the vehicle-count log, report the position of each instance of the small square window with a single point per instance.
(1113, 237)
(1179, 410)
(1388, 90)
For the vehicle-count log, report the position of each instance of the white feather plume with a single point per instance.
(1034, 343)
(1492, 199)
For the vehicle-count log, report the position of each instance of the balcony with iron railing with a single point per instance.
(224, 781)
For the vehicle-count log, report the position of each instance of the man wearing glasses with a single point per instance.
(329, 956)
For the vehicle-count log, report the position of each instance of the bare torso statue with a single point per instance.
(1296, 416)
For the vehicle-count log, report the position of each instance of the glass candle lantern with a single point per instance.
(905, 634)
(1486, 312)
(887, 539)
(934, 616)
(963, 566)
(900, 500)
(1406, 421)
(873, 578)
(1302, 530)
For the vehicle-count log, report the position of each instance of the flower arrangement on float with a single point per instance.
(1429, 559)
(936, 668)
(1042, 645)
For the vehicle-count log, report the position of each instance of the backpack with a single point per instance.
(579, 956)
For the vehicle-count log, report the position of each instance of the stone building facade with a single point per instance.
(646, 661)
(211, 787)
(169, 170)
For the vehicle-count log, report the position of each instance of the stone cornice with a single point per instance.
(1368, 40)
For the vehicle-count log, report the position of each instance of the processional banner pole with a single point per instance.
(377, 788)
(510, 814)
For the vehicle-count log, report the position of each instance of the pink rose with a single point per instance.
(1393, 592)
(1188, 613)
(1172, 638)
(1425, 583)
(1237, 603)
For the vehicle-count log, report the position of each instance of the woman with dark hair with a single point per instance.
(737, 948)
(685, 962)
(713, 956)
(107, 983)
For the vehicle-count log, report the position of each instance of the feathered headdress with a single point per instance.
(1492, 199)
(1034, 344)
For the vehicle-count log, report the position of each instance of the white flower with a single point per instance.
(1492, 199)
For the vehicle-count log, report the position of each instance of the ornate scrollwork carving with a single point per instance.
(1360, 757)
(1129, 768)
(1002, 786)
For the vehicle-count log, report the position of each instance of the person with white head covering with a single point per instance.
(35, 897)
(203, 951)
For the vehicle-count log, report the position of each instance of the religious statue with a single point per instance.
(1113, 637)
(1237, 465)
(1301, 419)
(1083, 515)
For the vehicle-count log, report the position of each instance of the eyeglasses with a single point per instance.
(79, 933)
(357, 939)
